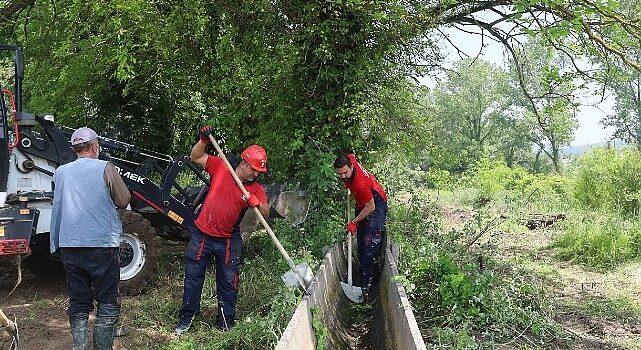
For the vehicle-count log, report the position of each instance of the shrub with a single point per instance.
(494, 179)
(600, 243)
(397, 174)
(457, 303)
(440, 178)
(609, 179)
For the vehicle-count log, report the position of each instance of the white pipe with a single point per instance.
(3, 198)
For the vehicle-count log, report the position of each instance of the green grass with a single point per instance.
(460, 198)
(599, 241)
(264, 308)
(546, 272)
(458, 304)
(596, 239)
(509, 297)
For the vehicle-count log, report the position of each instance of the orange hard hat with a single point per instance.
(255, 156)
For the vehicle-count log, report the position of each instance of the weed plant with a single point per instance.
(460, 197)
(599, 241)
(464, 302)
(324, 226)
(608, 179)
(460, 302)
(265, 305)
(497, 181)
(620, 308)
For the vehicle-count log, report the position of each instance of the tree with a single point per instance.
(150, 73)
(626, 120)
(623, 80)
(469, 109)
(514, 141)
(547, 99)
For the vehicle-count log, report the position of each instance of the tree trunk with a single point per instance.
(556, 158)
(509, 156)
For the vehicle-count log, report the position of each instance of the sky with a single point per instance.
(590, 113)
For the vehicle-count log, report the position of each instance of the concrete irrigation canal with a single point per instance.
(327, 316)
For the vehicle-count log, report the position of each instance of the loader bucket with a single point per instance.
(293, 206)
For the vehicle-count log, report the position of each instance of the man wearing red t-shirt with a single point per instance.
(369, 223)
(217, 231)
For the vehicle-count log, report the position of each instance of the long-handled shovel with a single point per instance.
(355, 294)
(299, 276)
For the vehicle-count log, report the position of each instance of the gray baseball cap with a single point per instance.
(83, 134)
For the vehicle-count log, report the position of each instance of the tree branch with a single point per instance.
(13, 8)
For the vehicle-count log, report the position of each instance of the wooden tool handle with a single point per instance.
(349, 241)
(7, 323)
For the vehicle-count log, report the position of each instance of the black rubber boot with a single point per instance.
(78, 324)
(105, 326)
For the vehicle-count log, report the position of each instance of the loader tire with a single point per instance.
(139, 250)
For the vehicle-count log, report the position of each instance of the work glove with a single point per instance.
(253, 201)
(205, 131)
(351, 227)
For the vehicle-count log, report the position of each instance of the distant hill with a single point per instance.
(574, 151)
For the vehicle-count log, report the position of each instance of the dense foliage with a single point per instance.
(301, 78)
(495, 180)
(599, 199)
(264, 304)
(600, 241)
(462, 300)
(608, 179)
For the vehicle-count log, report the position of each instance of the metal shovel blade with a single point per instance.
(297, 275)
(353, 293)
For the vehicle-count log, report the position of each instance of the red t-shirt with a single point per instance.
(362, 184)
(224, 204)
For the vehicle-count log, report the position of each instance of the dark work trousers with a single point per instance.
(369, 235)
(226, 253)
(87, 268)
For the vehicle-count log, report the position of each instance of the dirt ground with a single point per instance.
(575, 292)
(40, 305)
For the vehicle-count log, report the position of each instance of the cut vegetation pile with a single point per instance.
(484, 278)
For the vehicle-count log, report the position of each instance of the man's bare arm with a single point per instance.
(368, 209)
(198, 154)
